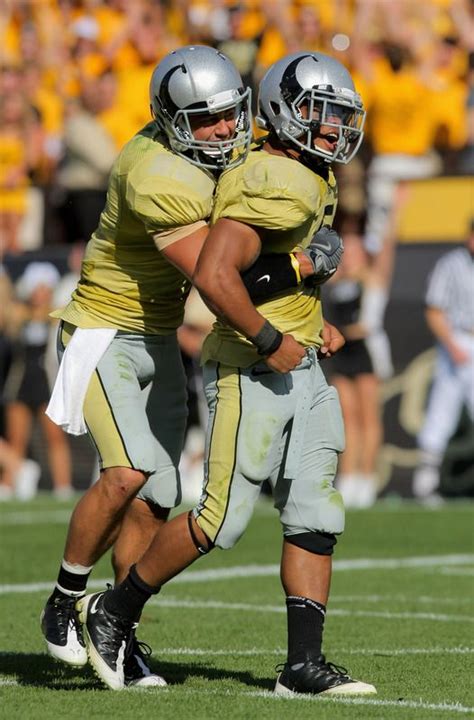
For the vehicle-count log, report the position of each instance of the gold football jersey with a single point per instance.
(288, 203)
(126, 283)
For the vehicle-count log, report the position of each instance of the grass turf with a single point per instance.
(400, 616)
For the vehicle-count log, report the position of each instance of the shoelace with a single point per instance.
(337, 669)
(124, 633)
(141, 648)
(68, 614)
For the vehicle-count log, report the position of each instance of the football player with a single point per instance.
(272, 415)
(121, 375)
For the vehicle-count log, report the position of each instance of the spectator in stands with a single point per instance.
(89, 152)
(151, 40)
(450, 317)
(20, 143)
(352, 373)
(467, 156)
(27, 390)
(402, 131)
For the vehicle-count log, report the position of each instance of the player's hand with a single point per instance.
(287, 357)
(333, 340)
(325, 253)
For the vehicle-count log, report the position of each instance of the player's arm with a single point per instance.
(267, 276)
(230, 248)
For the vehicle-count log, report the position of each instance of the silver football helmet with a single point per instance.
(197, 80)
(308, 90)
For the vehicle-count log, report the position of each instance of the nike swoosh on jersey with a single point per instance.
(264, 277)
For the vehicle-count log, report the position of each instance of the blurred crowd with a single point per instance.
(74, 78)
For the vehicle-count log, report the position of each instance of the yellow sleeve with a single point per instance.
(163, 193)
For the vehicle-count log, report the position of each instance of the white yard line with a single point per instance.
(41, 517)
(255, 652)
(412, 704)
(176, 603)
(267, 695)
(250, 571)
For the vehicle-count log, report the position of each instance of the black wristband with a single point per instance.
(270, 275)
(268, 339)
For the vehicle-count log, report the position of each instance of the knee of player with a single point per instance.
(120, 482)
(315, 541)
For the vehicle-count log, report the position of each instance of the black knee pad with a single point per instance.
(319, 543)
(202, 550)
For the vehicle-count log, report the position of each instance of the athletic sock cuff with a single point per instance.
(300, 601)
(140, 584)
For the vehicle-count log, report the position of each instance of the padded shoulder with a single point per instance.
(166, 191)
(268, 191)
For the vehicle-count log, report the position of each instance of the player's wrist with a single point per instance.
(268, 339)
(306, 267)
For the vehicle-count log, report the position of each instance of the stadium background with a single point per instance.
(412, 62)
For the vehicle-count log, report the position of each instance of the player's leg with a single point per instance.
(139, 526)
(312, 514)
(118, 427)
(237, 441)
(164, 401)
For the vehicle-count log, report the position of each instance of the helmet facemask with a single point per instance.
(216, 155)
(338, 112)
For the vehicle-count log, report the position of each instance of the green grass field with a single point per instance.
(400, 616)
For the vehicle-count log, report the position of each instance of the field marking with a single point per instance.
(249, 571)
(264, 508)
(282, 651)
(426, 599)
(176, 603)
(268, 695)
(42, 517)
(412, 704)
(457, 571)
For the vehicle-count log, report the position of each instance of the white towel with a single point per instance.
(79, 361)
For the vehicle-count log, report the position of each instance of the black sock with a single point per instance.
(305, 629)
(129, 598)
(72, 581)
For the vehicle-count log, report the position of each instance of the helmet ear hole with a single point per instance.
(275, 107)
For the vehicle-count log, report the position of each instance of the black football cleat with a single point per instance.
(62, 631)
(137, 673)
(316, 678)
(108, 638)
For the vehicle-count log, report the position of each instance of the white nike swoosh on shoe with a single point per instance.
(93, 607)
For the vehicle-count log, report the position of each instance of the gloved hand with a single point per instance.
(325, 253)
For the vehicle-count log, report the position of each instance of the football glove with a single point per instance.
(325, 252)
